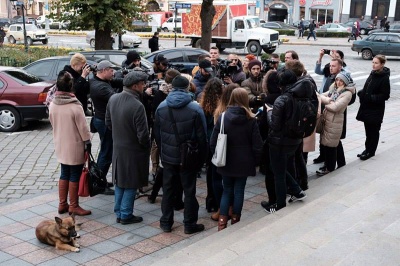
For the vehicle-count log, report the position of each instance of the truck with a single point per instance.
(232, 27)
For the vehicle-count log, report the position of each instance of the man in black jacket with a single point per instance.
(102, 87)
(179, 111)
(153, 42)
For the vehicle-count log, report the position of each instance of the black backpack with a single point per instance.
(303, 118)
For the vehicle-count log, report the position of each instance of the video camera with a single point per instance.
(266, 65)
(225, 69)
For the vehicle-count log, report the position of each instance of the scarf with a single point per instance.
(62, 98)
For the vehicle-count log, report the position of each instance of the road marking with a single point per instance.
(361, 77)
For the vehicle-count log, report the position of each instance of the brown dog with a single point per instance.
(59, 233)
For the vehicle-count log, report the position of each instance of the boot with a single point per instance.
(230, 212)
(63, 194)
(235, 218)
(222, 222)
(215, 216)
(74, 200)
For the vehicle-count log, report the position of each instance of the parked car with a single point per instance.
(277, 25)
(184, 59)
(22, 97)
(33, 34)
(393, 28)
(334, 27)
(5, 22)
(19, 19)
(305, 22)
(49, 67)
(169, 25)
(114, 56)
(365, 27)
(129, 39)
(42, 19)
(57, 25)
(385, 43)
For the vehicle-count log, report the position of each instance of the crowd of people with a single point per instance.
(138, 123)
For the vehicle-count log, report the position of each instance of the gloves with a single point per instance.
(88, 146)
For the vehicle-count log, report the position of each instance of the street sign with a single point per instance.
(183, 5)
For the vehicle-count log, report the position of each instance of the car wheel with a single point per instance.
(92, 43)
(165, 29)
(11, 39)
(10, 120)
(254, 47)
(367, 54)
(45, 41)
(29, 41)
(363, 32)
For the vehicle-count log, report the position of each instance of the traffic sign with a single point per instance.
(183, 5)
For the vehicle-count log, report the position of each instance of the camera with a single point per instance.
(225, 69)
(91, 67)
(266, 65)
(327, 51)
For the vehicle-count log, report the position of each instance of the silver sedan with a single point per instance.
(129, 39)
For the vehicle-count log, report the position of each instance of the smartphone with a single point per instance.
(327, 51)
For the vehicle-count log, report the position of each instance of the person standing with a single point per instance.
(179, 113)
(242, 153)
(2, 35)
(387, 26)
(153, 42)
(383, 22)
(372, 104)
(312, 30)
(375, 22)
(301, 29)
(202, 76)
(71, 138)
(253, 85)
(126, 117)
(102, 87)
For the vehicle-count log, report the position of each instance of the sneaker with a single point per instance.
(271, 208)
(266, 204)
(300, 196)
(194, 229)
(133, 220)
(322, 172)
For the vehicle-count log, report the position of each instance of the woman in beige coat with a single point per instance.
(71, 137)
(336, 101)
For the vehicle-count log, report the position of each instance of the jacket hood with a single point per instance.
(304, 87)
(178, 99)
(385, 72)
(236, 114)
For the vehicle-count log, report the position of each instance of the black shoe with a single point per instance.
(151, 200)
(299, 196)
(108, 191)
(109, 184)
(319, 159)
(361, 154)
(165, 228)
(133, 220)
(323, 168)
(271, 208)
(195, 229)
(366, 156)
(266, 204)
(322, 172)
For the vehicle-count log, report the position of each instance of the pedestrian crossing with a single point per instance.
(359, 77)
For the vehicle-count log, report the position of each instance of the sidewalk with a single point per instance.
(104, 242)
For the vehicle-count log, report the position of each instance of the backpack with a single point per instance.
(51, 93)
(303, 118)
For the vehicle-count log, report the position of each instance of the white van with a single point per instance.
(169, 25)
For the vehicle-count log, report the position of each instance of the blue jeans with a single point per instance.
(124, 201)
(311, 33)
(106, 147)
(280, 157)
(72, 173)
(233, 188)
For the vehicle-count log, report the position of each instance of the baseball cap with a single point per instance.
(104, 64)
(206, 65)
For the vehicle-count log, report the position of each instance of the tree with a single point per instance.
(207, 14)
(104, 16)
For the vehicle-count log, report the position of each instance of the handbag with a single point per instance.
(189, 149)
(97, 182)
(319, 128)
(219, 157)
(83, 190)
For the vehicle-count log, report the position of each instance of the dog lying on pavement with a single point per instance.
(60, 233)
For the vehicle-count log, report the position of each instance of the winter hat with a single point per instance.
(345, 77)
(135, 77)
(180, 83)
(250, 57)
(254, 62)
(206, 65)
(170, 75)
(132, 56)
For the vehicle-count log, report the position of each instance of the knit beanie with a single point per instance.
(254, 62)
(180, 83)
(345, 77)
(131, 56)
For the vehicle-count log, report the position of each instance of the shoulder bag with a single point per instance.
(83, 190)
(219, 157)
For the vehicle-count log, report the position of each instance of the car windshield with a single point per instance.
(253, 23)
(22, 77)
(30, 27)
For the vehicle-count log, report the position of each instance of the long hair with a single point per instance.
(224, 100)
(240, 97)
(210, 96)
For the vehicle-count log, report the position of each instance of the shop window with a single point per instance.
(322, 16)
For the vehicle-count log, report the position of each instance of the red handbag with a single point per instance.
(84, 179)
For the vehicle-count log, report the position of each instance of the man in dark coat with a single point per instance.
(126, 117)
(179, 111)
(153, 42)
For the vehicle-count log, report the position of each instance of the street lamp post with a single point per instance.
(21, 4)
